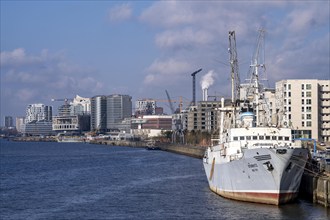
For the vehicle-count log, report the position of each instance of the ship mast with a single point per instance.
(256, 63)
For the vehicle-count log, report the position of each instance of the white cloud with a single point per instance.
(195, 33)
(306, 16)
(17, 57)
(185, 38)
(168, 14)
(31, 78)
(170, 69)
(25, 95)
(120, 12)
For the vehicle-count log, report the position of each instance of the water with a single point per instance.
(83, 181)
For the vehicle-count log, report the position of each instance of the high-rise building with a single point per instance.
(9, 123)
(119, 107)
(305, 105)
(99, 113)
(38, 112)
(20, 124)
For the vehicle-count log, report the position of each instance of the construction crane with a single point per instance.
(170, 103)
(194, 86)
(235, 80)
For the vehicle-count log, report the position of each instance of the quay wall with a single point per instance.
(188, 150)
(315, 188)
(140, 144)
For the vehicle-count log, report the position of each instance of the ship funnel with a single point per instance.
(248, 119)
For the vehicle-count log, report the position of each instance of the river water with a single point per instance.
(85, 181)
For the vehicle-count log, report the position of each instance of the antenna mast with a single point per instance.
(257, 63)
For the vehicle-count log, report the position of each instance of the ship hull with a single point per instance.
(261, 175)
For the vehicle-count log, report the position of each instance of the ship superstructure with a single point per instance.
(254, 159)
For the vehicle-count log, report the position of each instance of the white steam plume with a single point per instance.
(207, 79)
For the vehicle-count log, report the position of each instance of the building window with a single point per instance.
(289, 93)
(303, 101)
(308, 116)
(289, 116)
(308, 86)
(289, 101)
(308, 109)
(302, 109)
(309, 94)
(289, 86)
(302, 116)
(308, 101)
(302, 124)
(241, 138)
(235, 138)
(302, 86)
(309, 124)
(302, 94)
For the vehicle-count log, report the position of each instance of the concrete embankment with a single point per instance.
(315, 188)
(188, 150)
(33, 139)
(140, 144)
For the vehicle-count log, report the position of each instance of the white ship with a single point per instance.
(254, 158)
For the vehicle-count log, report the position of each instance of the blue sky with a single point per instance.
(57, 49)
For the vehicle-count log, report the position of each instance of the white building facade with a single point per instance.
(305, 106)
(38, 112)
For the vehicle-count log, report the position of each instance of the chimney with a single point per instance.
(205, 94)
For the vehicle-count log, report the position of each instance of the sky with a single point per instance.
(60, 49)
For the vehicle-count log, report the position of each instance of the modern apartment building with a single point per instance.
(305, 106)
(38, 112)
(73, 117)
(38, 120)
(80, 106)
(118, 108)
